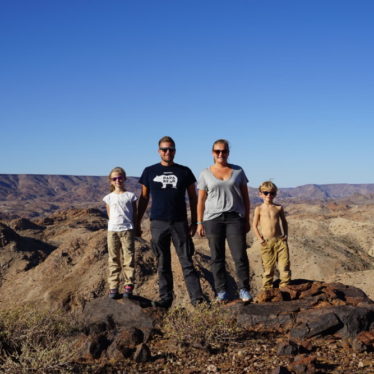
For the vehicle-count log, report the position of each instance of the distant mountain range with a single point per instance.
(50, 192)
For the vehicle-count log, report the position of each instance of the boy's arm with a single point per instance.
(256, 220)
(142, 206)
(284, 222)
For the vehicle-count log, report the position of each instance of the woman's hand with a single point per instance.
(201, 230)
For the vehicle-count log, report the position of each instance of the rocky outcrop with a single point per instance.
(309, 309)
(115, 329)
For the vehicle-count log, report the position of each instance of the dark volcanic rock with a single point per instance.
(320, 309)
(288, 348)
(118, 314)
(317, 323)
(354, 319)
(142, 353)
(280, 370)
(364, 342)
(304, 364)
(116, 329)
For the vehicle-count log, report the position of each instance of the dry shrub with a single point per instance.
(207, 326)
(35, 341)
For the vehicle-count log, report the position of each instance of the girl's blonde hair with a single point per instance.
(118, 170)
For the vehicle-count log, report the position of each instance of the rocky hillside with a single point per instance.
(61, 258)
(58, 262)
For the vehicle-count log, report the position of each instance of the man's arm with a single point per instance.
(191, 191)
(284, 222)
(142, 206)
(247, 206)
(256, 221)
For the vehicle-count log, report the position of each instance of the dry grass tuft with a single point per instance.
(207, 326)
(33, 341)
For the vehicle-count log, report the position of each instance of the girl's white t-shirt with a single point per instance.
(121, 211)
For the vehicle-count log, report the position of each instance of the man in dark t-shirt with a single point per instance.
(167, 183)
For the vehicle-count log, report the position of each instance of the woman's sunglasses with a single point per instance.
(218, 151)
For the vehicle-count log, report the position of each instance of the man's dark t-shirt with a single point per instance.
(167, 185)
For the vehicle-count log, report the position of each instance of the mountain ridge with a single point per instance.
(30, 195)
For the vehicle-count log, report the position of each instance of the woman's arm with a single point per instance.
(247, 206)
(202, 195)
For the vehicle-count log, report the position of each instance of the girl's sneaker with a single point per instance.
(113, 294)
(128, 291)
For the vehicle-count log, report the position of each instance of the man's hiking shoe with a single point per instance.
(113, 294)
(245, 295)
(163, 303)
(222, 297)
(128, 291)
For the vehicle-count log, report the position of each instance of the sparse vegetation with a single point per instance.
(207, 326)
(33, 341)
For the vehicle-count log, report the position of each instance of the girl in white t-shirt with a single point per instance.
(121, 208)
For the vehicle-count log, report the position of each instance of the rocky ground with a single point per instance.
(58, 263)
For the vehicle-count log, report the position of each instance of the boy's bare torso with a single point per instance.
(269, 218)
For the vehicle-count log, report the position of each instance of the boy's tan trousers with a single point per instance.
(275, 251)
(121, 250)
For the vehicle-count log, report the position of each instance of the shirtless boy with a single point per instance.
(272, 236)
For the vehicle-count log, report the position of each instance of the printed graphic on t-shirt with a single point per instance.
(166, 179)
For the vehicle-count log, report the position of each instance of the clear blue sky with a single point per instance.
(87, 85)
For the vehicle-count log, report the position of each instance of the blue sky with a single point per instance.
(89, 85)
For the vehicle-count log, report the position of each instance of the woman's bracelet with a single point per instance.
(199, 223)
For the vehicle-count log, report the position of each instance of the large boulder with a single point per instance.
(313, 309)
(115, 329)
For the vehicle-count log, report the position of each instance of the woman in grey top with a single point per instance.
(223, 213)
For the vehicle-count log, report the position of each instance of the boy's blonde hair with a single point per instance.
(118, 170)
(269, 185)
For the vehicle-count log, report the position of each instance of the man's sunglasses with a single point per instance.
(119, 179)
(165, 149)
(218, 151)
(271, 193)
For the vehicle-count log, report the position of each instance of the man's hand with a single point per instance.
(192, 229)
(247, 227)
(138, 231)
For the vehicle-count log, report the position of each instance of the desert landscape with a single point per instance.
(53, 258)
